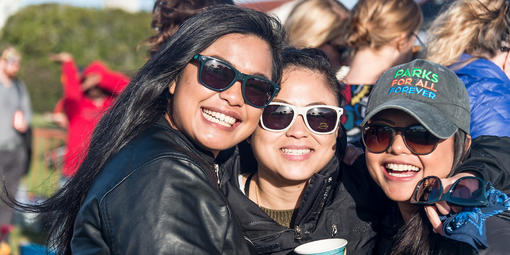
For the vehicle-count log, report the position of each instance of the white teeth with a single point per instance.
(219, 118)
(296, 151)
(401, 167)
(401, 174)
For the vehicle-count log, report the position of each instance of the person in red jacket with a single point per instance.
(86, 98)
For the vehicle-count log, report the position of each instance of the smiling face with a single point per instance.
(397, 170)
(219, 120)
(292, 156)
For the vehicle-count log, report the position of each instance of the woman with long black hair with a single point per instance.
(148, 183)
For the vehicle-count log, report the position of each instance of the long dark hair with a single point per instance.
(145, 100)
(416, 236)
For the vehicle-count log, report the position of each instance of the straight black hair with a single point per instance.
(145, 100)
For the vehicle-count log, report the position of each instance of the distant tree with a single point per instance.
(109, 35)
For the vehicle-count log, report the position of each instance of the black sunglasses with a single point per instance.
(466, 191)
(378, 138)
(218, 75)
(320, 119)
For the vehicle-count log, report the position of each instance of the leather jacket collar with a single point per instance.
(205, 156)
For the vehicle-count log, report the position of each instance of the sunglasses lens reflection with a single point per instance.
(377, 138)
(420, 140)
(467, 190)
(429, 191)
(217, 75)
(277, 117)
(258, 92)
(322, 119)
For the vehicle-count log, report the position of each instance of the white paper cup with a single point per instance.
(332, 246)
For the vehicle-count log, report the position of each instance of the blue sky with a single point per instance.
(144, 4)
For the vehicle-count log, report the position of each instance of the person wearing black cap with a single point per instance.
(417, 125)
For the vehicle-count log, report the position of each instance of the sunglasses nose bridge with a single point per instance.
(238, 77)
(298, 127)
(233, 94)
(398, 145)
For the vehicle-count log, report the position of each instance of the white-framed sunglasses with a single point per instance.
(320, 119)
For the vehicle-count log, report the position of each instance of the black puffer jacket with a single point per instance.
(158, 195)
(340, 201)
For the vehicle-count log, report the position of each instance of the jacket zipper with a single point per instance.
(217, 171)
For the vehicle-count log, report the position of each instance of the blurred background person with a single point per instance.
(282, 12)
(381, 34)
(473, 38)
(16, 116)
(86, 98)
(168, 15)
(318, 24)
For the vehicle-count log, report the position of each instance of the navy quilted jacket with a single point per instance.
(489, 92)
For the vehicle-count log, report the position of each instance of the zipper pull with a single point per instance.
(217, 171)
(334, 230)
(297, 232)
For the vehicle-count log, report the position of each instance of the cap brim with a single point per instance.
(430, 117)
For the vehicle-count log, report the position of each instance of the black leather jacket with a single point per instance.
(339, 202)
(158, 195)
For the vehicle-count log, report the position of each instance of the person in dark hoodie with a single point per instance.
(299, 190)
